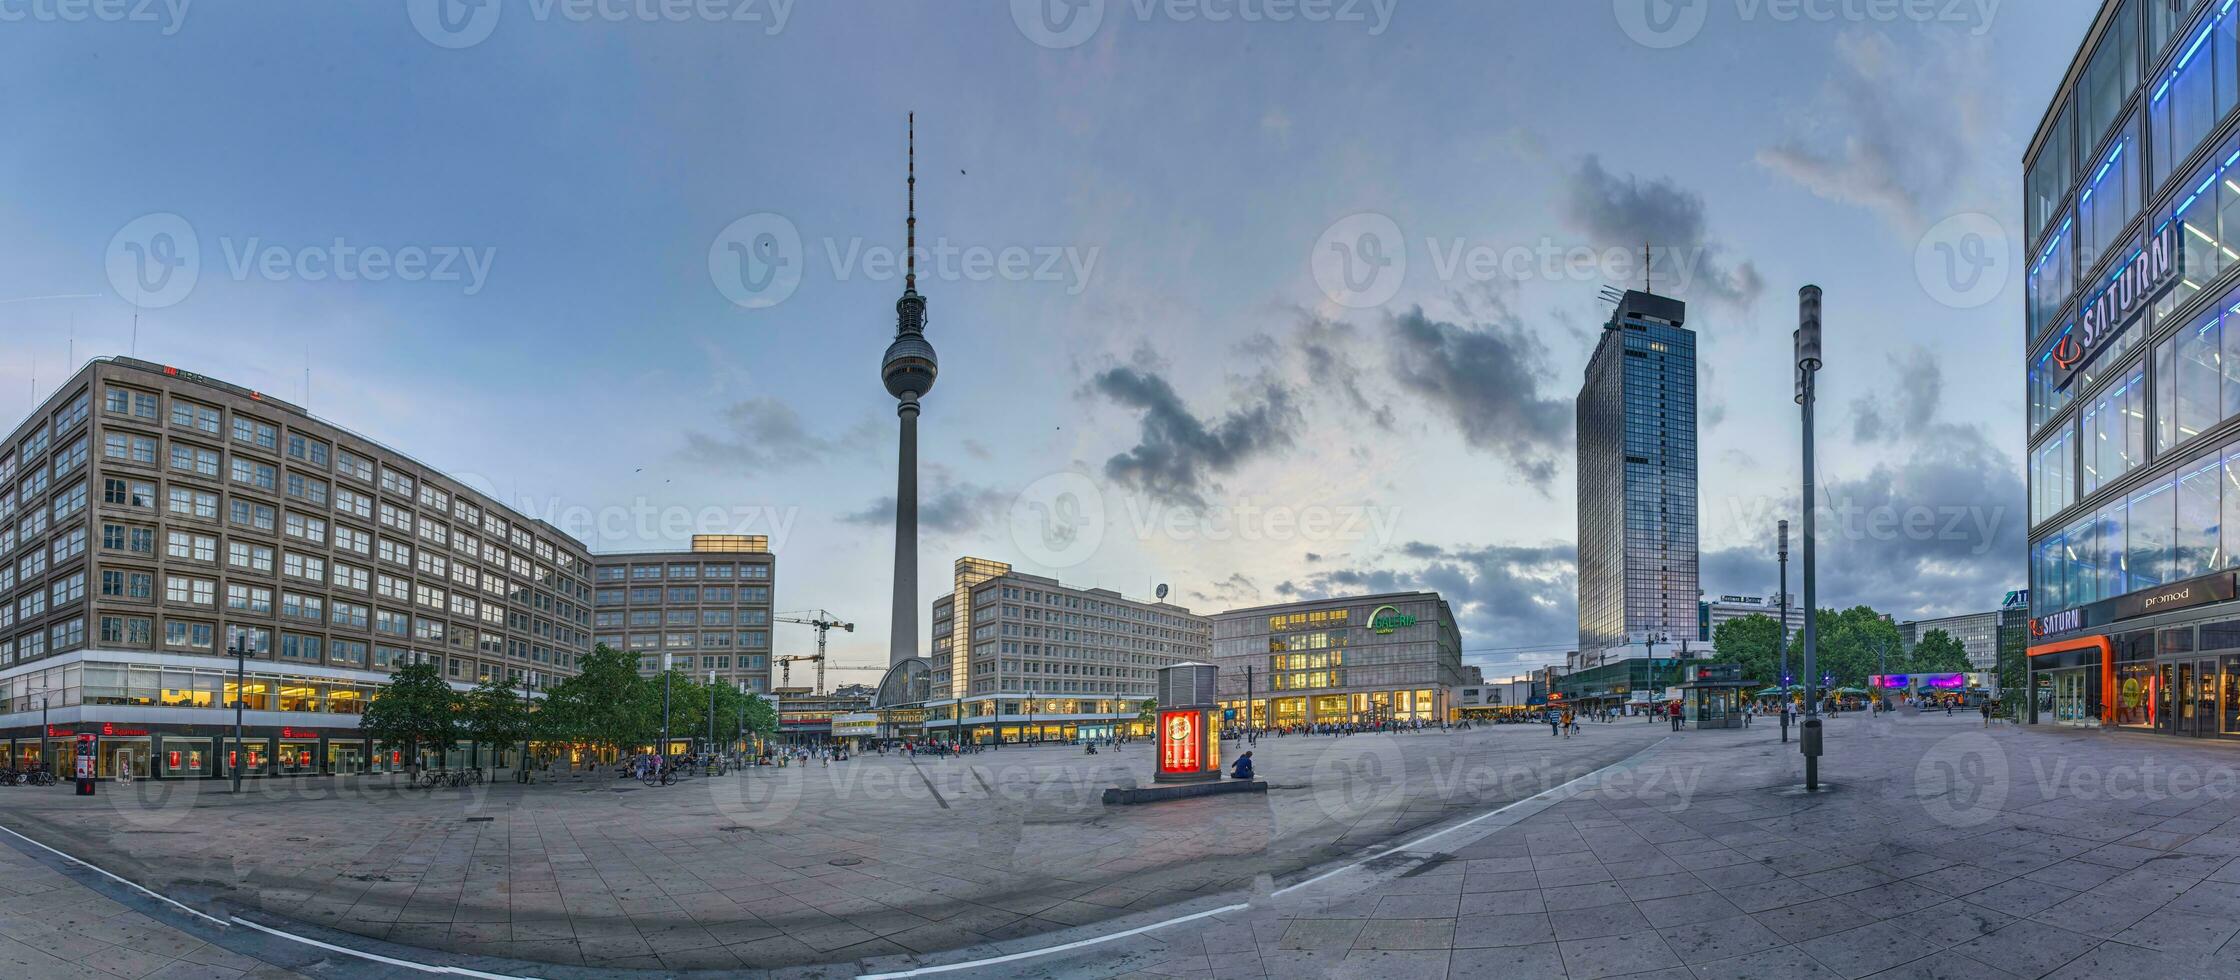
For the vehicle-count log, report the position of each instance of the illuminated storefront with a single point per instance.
(1382, 659)
(2166, 660)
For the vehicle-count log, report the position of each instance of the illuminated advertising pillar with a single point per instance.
(1189, 732)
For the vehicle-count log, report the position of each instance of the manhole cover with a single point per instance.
(480, 819)
(845, 862)
(299, 840)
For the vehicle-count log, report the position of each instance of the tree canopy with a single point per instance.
(1938, 653)
(415, 709)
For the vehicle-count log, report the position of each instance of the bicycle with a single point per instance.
(665, 776)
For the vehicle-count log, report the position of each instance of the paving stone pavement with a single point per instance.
(877, 860)
(55, 928)
(1944, 850)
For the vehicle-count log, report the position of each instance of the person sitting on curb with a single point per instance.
(1243, 769)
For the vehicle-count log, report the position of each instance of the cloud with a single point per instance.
(1178, 454)
(1487, 379)
(1626, 212)
(1910, 410)
(1512, 603)
(952, 508)
(1233, 592)
(1894, 131)
(1941, 531)
(759, 434)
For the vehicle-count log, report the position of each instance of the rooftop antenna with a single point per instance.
(1647, 260)
(910, 246)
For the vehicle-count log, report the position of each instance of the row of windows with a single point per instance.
(683, 571)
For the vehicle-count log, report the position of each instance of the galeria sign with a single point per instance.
(1385, 619)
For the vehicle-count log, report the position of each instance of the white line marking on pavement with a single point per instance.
(237, 920)
(1139, 930)
(135, 886)
(1032, 953)
(1411, 845)
(376, 957)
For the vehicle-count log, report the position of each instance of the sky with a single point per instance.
(1257, 300)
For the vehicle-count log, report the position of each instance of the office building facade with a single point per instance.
(152, 519)
(1978, 633)
(1395, 657)
(1711, 613)
(1637, 478)
(1024, 657)
(705, 611)
(2133, 420)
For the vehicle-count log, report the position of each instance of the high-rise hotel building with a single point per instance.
(152, 520)
(1017, 656)
(1637, 478)
(705, 612)
(2131, 223)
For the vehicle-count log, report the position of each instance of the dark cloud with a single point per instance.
(1892, 130)
(1627, 212)
(1331, 353)
(1910, 409)
(949, 509)
(1233, 592)
(759, 434)
(1940, 532)
(1488, 379)
(1178, 454)
(1508, 599)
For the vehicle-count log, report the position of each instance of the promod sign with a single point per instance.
(2126, 294)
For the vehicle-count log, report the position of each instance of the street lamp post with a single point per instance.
(1808, 365)
(711, 711)
(529, 693)
(239, 647)
(1783, 630)
(667, 661)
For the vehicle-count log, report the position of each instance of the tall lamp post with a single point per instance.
(528, 699)
(238, 645)
(1808, 365)
(668, 661)
(1782, 632)
(711, 711)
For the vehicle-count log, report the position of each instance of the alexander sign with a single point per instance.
(2121, 299)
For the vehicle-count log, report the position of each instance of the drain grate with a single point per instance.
(480, 819)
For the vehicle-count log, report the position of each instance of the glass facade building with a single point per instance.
(1343, 660)
(1637, 478)
(2132, 380)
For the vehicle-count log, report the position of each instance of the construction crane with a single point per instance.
(824, 622)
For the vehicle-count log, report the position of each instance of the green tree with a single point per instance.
(415, 708)
(604, 704)
(1754, 642)
(1852, 644)
(496, 716)
(1938, 653)
(688, 705)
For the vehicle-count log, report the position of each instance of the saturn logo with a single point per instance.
(2067, 352)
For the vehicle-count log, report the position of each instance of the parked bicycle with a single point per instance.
(664, 776)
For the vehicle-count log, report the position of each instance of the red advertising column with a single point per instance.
(1189, 735)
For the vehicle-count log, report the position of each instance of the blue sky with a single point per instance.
(1159, 368)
